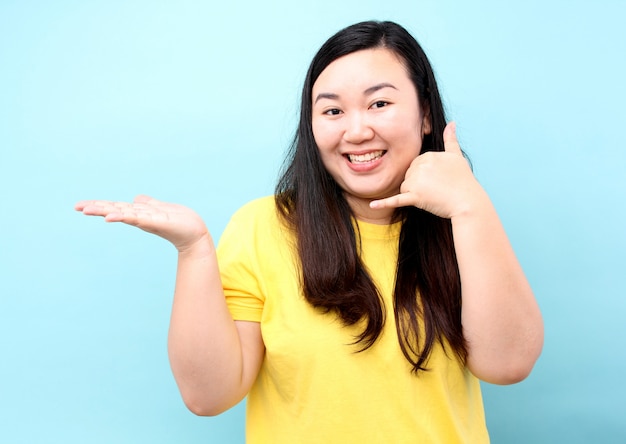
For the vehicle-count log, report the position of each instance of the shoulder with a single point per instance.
(255, 217)
(254, 228)
(263, 206)
(257, 213)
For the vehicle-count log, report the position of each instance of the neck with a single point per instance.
(363, 212)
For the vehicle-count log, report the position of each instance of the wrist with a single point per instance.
(475, 204)
(200, 248)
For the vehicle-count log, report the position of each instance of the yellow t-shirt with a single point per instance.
(313, 387)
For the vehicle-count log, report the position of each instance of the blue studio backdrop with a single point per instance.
(196, 101)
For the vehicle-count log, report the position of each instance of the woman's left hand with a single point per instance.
(501, 320)
(441, 183)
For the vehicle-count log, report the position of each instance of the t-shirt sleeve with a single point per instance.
(239, 267)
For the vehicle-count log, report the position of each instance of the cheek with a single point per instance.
(323, 135)
(402, 124)
(406, 134)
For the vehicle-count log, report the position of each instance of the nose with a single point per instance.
(358, 129)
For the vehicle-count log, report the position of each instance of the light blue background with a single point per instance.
(195, 102)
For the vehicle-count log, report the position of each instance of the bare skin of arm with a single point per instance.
(214, 359)
(501, 320)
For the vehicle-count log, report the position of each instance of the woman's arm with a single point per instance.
(501, 319)
(214, 359)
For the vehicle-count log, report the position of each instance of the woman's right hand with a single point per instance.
(215, 360)
(178, 224)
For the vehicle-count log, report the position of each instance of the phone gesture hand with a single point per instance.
(441, 183)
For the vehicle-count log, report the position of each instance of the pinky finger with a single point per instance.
(116, 217)
(399, 200)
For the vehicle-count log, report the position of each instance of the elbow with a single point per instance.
(508, 375)
(509, 368)
(201, 406)
(201, 410)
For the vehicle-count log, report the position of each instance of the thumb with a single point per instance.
(142, 198)
(450, 142)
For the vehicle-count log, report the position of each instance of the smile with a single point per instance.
(365, 158)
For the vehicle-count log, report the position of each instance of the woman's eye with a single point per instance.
(379, 104)
(332, 112)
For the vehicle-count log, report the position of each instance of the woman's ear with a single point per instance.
(427, 127)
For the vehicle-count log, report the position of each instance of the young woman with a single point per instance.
(367, 298)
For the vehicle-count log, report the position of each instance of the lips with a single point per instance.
(360, 159)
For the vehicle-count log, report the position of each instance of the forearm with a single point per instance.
(204, 346)
(214, 359)
(501, 319)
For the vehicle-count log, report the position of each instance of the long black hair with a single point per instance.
(427, 294)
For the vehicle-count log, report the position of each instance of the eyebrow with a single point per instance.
(373, 89)
(368, 91)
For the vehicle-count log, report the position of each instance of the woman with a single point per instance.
(365, 300)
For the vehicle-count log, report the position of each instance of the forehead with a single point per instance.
(362, 69)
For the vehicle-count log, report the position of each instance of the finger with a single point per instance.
(450, 142)
(132, 214)
(103, 207)
(82, 204)
(78, 206)
(399, 200)
(129, 216)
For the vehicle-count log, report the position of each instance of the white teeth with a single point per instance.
(363, 158)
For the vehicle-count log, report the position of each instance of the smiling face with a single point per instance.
(367, 123)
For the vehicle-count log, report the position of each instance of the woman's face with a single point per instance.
(367, 123)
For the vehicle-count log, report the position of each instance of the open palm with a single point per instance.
(178, 224)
